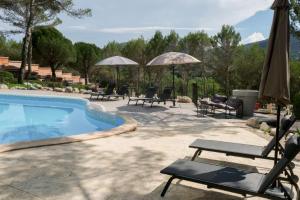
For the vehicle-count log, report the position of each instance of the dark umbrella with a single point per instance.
(275, 80)
(173, 59)
(117, 61)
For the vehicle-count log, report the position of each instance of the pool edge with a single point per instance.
(130, 125)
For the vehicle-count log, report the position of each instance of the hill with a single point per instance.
(294, 46)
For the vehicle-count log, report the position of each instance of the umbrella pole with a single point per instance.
(275, 184)
(174, 98)
(118, 77)
(277, 134)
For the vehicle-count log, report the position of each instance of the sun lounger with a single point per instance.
(109, 91)
(242, 150)
(120, 94)
(150, 93)
(226, 104)
(240, 181)
(213, 102)
(163, 97)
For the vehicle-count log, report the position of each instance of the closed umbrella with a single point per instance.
(173, 59)
(275, 80)
(117, 61)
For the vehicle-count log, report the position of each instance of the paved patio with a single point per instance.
(125, 167)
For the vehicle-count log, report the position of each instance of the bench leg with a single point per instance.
(196, 154)
(152, 103)
(167, 186)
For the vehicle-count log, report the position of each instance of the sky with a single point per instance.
(122, 20)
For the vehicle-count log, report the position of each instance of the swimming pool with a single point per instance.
(38, 118)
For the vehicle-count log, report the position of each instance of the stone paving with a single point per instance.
(126, 167)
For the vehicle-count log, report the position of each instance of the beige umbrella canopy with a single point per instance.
(117, 61)
(275, 80)
(173, 59)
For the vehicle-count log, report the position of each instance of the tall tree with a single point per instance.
(155, 46)
(52, 49)
(135, 50)
(26, 14)
(225, 44)
(247, 63)
(196, 44)
(112, 49)
(172, 42)
(295, 16)
(86, 57)
(10, 48)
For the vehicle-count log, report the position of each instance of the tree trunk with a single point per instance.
(29, 58)
(227, 82)
(53, 70)
(187, 86)
(26, 43)
(86, 76)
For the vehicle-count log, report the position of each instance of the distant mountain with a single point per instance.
(294, 46)
(260, 22)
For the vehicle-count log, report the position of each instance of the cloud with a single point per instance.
(255, 37)
(121, 30)
(123, 20)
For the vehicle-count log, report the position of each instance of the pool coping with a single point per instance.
(129, 125)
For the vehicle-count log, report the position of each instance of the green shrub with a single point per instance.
(296, 105)
(6, 77)
(54, 84)
(37, 82)
(80, 86)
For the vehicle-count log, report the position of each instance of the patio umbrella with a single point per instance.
(117, 61)
(173, 59)
(275, 80)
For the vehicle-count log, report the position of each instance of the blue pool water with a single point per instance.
(28, 118)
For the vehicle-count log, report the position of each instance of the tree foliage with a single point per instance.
(248, 62)
(52, 49)
(295, 16)
(86, 57)
(225, 44)
(10, 48)
(25, 15)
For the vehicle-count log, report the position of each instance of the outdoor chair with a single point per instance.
(212, 103)
(109, 91)
(224, 103)
(121, 92)
(150, 93)
(243, 150)
(165, 96)
(233, 104)
(240, 181)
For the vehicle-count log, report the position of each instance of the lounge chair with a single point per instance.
(165, 96)
(243, 150)
(121, 92)
(150, 93)
(109, 91)
(212, 103)
(240, 181)
(221, 102)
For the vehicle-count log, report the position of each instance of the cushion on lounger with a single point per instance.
(286, 124)
(215, 175)
(292, 148)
